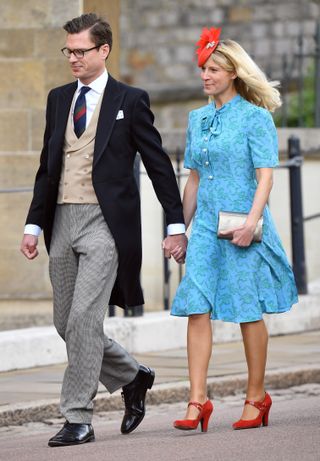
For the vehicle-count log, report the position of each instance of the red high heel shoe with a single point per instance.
(190, 424)
(262, 418)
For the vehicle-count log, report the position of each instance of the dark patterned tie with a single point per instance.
(80, 112)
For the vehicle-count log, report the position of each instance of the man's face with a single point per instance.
(92, 65)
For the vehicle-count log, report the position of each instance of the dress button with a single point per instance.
(65, 196)
(86, 156)
(82, 184)
(65, 183)
(81, 198)
(206, 139)
(68, 155)
(204, 150)
(206, 163)
(210, 177)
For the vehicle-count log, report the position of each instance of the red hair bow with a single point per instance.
(208, 42)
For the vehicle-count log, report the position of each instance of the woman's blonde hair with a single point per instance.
(251, 83)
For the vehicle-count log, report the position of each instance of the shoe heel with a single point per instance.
(204, 425)
(151, 379)
(265, 418)
(205, 420)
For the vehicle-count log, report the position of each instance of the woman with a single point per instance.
(231, 149)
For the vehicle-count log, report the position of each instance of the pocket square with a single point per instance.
(120, 115)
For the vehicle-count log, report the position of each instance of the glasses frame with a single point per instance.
(82, 52)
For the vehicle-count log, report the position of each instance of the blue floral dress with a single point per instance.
(232, 283)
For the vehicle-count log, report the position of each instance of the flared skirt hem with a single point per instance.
(244, 319)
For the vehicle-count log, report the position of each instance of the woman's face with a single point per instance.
(216, 81)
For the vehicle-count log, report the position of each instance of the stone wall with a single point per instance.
(158, 45)
(158, 38)
(30, 65)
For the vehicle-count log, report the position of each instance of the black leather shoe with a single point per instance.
(134, 395)
(72, 434)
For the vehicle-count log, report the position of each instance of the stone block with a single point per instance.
(164, 56)
(37, 128)
(263, 12)
(262, 48)
(14, 130)
(309, 27)
(173, 116)
(292, 29)
(312, 10)
(282, 12)
(139, 59)
(48, 43)
(22, 84)
(183, 54)
(57, 73)
(217, 16)
(284, 46)
(240, 14)
(259, 30)
(18, 170)
(16, 43)
(17, 15)
(62, 11)
(162, 18)
(278, 29)
(19, 277)
(176, 72)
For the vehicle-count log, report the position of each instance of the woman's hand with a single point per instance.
(179, 254)
(241, 236)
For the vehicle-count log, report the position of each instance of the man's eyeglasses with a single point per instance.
(77, 53)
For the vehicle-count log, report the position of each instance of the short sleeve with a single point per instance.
(188, 162)
(262, 139)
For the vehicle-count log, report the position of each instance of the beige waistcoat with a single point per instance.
(75, 180)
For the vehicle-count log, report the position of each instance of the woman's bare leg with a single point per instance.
(199, 346)
(255, 340)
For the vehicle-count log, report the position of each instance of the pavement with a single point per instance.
(292, 434)
(32, 395)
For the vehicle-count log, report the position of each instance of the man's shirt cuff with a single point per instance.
(174, 229)
(32, 229)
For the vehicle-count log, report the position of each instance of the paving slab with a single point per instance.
(292, 360)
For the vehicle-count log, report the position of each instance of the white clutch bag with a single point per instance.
(229, 220)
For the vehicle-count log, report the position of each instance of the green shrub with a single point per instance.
(293, 108)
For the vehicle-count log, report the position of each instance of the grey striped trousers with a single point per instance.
(83, 266)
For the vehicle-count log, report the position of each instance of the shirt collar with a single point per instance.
(98, 85)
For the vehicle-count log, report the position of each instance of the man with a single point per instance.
(86, 201)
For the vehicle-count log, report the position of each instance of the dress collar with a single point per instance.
(212, 120)
(230, 103)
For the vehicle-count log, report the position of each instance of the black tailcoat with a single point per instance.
(116, 145)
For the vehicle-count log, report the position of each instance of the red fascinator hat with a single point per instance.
(208, 42)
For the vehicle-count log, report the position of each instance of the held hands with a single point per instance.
(176, 246)
(241, 236)
(29, 246)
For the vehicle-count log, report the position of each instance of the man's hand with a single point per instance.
(175, 245)
(29, 246)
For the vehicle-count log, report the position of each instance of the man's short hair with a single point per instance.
(100, 29)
